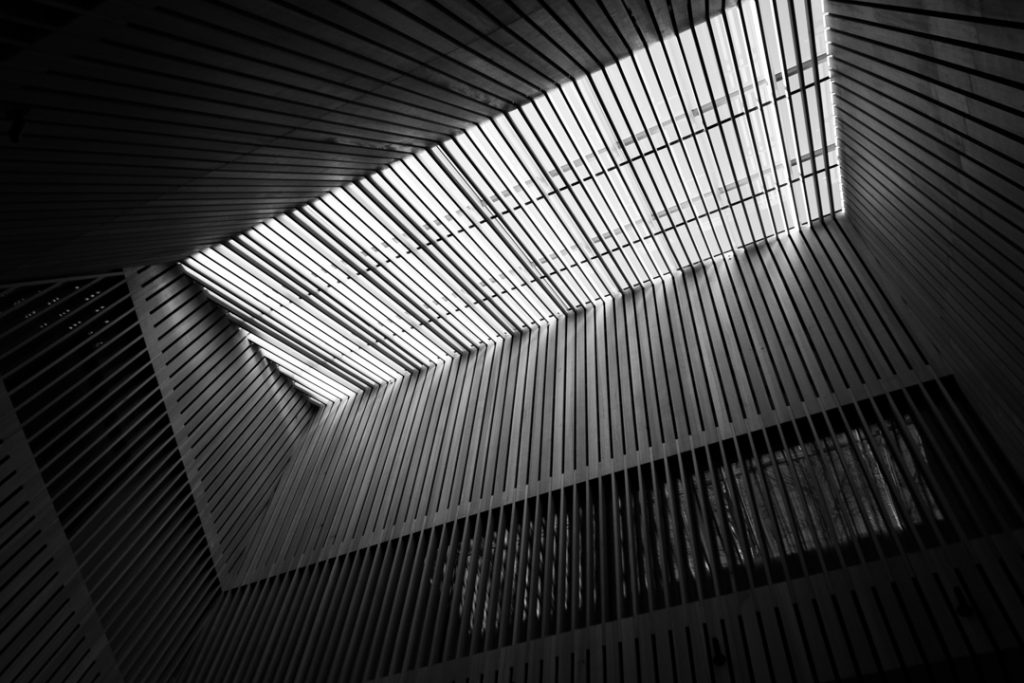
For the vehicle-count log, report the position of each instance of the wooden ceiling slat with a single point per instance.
(498, 229)
(332, 81)
(342, 51)
(162, 92)
(142, 130)
(59, 128)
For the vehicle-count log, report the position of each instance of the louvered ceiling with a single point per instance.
(688, 148)
(138, 131)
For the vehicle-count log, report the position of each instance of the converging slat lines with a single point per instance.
(688, 148)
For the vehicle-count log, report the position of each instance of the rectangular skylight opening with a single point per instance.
(692, 147)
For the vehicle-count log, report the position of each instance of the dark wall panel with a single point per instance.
(235, 417)
(139, 131)
(931, 615)
(74, 362)
(50, 629)
(901, 621)
(930, 99)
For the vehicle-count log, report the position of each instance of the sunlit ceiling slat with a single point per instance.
(688, 148)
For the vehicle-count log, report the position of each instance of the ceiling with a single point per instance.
(139, 131)
(685, 150)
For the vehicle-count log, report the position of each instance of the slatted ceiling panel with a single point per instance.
(50, 628)
(929, 103)
(677, 363)
(75, 364)
(235, 418)
(611, 180)
(404, 596)
(153, 129)
(28, 22)
(746, 468)
(859, 524)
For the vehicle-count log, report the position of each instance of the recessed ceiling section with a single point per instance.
(688, 148)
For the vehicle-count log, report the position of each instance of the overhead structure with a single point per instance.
(141, 131)
(797, 457)
(691, 147)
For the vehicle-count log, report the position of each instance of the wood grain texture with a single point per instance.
(929, 102)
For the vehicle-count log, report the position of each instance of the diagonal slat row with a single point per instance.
(689, 148)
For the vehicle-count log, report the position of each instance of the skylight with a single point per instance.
(689, 148)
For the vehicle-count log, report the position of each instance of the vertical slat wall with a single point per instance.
(812, 519)
(930, 103)
(235, 417)
(50, 629)
(508, 516)
(908, 623)
(790, 325)
(76, 367)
